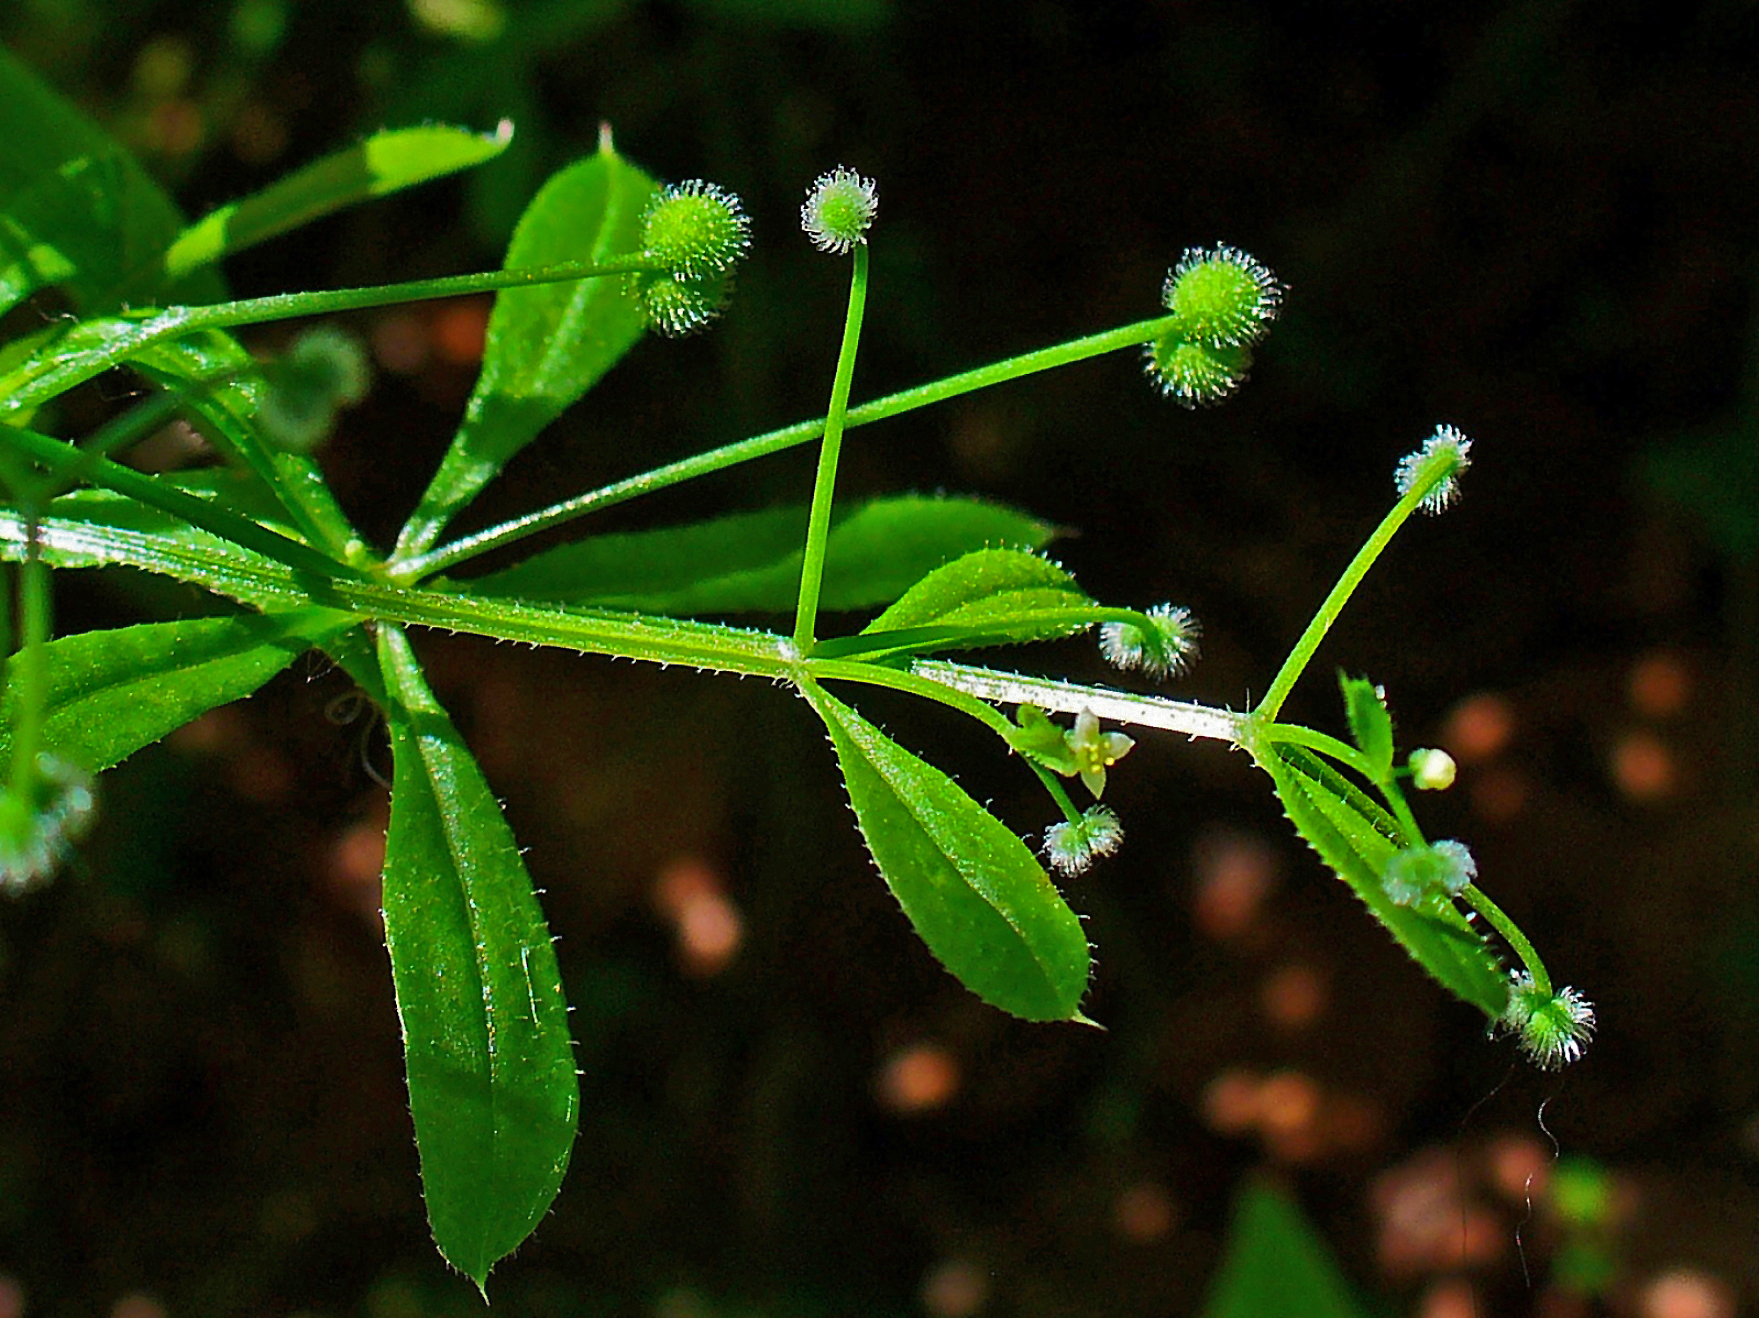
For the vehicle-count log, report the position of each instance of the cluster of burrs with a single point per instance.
(1222, 303)
(694, 233)
(40, 820)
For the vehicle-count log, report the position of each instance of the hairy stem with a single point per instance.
(515, 529)
(1512, 935)
(824, 488)
(1334, 603)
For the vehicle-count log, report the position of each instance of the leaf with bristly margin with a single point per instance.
(1370, 724)
(986, 597)
(1356, 837)
(492, 1086)
(1275, 1266)
(750, 562)
(975, 894)
(222, 385)
(78, 211)
(548, 344)
(386, 162)
(112, 692)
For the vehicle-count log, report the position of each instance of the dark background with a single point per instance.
(1535, 220)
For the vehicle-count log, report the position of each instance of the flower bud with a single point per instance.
(1432, 770)
(839, 209)
(1160, 649)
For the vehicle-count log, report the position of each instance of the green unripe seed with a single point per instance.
(838, 211)
(1223, 297)
(695, 229)
(675, 306)
(1197, 374)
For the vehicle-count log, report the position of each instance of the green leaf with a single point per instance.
(183, 507)
(975, 894)
(972, 585)
(485, 1024)
(222, 384)
(986, 597)
(750, 562)
(546, 345)
(1356, 838)
(112, 692)
(1276, 1266)
(384, 163)
(1370, 724)
(1040, 740)
(75, 209)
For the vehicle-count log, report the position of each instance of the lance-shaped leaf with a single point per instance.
(975, 894)
(546, 345)
(986, 597)
(1370, 724)
(75, 209)
(750, 562)
(384, 163)
(485, 1025)
(112, 692)
(1276, 1266)
(222, 385)
(1356, 838)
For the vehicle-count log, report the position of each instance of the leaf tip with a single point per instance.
(1077, 1018)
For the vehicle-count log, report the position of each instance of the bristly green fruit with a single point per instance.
(675, 306)
(1441, 870)
(39, 827)
(325, 370)
(1162, 645)
(695, 228)
(1071, 848)
(1448, 447)
(839, 210)
(1553, 1028)
(697, 233)
(1196, 374)
(1222, 296)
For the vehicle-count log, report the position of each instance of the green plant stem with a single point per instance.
(1402, 812)
(515, 529)
(1294, 734)
(824, 487)
(132, 426)
(28, 673)
(893, 679)
(1512, 935)
(75, 466)
(927, 640)
(1059, 793)
(1183, 716)
(114, 342)
(1334, 603)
